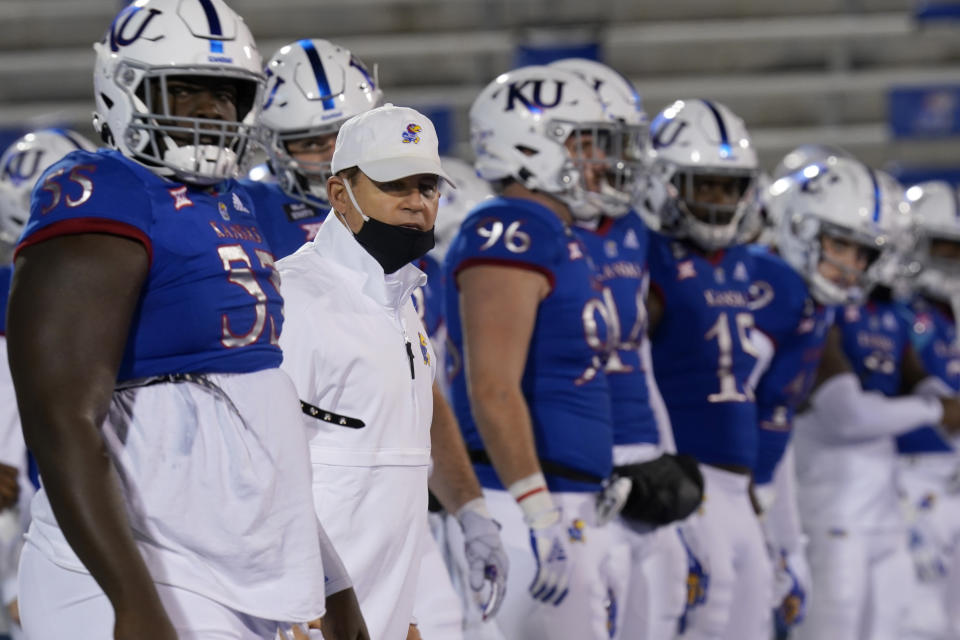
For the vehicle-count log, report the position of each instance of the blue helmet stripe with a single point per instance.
(725, 149)
(213, 23)
(323, 85)
(356, 65)
(213, 20)
(876, 194)
(633, 91)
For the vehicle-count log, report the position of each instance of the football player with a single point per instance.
(617, 244)
(142, 326)
(313, 87)
(700, 315)
(20, 166)
(928, 461)
(525, 311)
(831, 255)
(844, 441)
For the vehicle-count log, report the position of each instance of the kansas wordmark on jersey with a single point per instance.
(702, 354)
(211, 301)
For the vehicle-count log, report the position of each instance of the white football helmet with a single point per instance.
(623, 102)
(521, 124)
(153, 41)
(844, 199)
(313, 87)
(900, 272)
(759, 226)
(936, 214)
(455, 204)
(808, 154)
(20, 166)
(693, 142)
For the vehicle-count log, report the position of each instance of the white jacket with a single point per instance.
(345, 335)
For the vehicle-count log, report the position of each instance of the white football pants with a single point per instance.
(726, 537)
(862, 585)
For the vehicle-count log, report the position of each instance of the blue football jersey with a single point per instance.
(428, 299)
(563, 382)
(210, 303)
(618, 248)
(702, 355)
(285, 222)
(934, 334)
(797, 326)
(874, 338)
(6, 273)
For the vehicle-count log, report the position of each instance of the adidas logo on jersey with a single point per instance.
(630, 241)
(740, 273)
(238, 204)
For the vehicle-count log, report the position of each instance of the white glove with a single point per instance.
(931, 556)
(612, 498)
(792, 587)
(486, 557)
(549, 538)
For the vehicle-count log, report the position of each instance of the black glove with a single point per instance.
(664, 490)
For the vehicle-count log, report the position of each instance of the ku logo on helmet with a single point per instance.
(665, 135)
(410, 135)
(22, 167)
(118, 29)
(814, 177)
(530, 94)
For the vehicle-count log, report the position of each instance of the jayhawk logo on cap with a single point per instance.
(410, 135)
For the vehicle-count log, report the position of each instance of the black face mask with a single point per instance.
(393, 246)
(390, 245)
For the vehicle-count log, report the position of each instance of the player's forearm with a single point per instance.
(453, 481)
(847, 413)
(503, 419)
(84, 493)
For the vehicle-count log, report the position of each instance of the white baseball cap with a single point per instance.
(389, 143)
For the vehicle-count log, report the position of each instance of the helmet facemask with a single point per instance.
(939, 255)
(598, 172)
(711, 225)
(198, 150)
(302, 180)
(826, 290)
